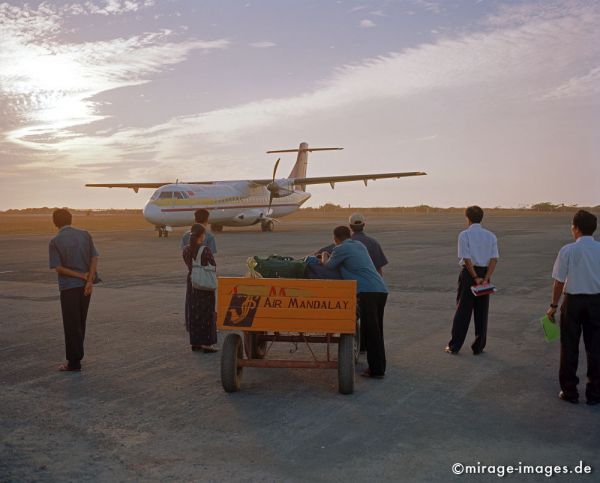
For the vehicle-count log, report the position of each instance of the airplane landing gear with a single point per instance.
(267, 225)
(216, 228)
(162, 231)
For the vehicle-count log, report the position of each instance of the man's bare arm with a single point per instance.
(91, 275)
(490, 269)
(67, 272)
(470, 267)
(557, 290)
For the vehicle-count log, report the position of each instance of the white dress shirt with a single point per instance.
(578, 266)
(477, 244)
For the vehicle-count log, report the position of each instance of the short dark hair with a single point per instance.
(201, 215)
(62, 217)
(474, 214)
(342, 233)
(586, 222)
(357, 228)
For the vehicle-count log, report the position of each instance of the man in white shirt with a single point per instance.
(576, 274)
(478, 253)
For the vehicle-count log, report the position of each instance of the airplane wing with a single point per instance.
(332, 180)
(356, 177)
(132, 186)
(137, 186)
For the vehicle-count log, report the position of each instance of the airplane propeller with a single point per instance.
(273, 186)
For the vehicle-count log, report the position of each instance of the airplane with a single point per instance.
(242, 202)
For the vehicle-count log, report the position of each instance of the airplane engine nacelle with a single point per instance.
(250, 217)
(281, 188)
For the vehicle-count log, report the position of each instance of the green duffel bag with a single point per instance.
(277, 266)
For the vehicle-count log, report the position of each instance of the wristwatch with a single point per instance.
(554, 306)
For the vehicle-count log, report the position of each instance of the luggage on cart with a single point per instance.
(277, 266)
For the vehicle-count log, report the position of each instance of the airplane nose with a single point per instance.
(152, 213)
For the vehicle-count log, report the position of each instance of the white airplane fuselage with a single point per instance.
(230, 203)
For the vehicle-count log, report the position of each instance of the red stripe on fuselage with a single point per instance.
(171, 210)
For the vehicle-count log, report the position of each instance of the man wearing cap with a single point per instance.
(357, 225)
(576, 274)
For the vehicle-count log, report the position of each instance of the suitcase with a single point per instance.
(277, 266)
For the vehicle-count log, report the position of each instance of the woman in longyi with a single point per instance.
(200, 310)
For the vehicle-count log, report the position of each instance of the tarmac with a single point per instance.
(146, 408)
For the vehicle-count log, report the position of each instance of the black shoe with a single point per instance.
(573, 400)
(476, 353)
(592, 402)
(447, 350)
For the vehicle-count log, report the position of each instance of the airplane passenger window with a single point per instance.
(166, 194)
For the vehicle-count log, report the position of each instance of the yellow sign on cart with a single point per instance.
(286, 305)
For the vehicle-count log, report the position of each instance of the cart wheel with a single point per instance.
(231, 373)
(346, 364)
(254, 348)
(247, 336)
(357, 341)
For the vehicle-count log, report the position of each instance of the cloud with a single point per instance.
(475, 91)
(48, 86)
(114, 7)
(505, 65)
(579, 86)
(434, 7)
(366, 24)
(521, 14)
(263, 45)
(507, 62)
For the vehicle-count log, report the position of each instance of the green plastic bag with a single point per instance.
(277, 266)
(550, 328)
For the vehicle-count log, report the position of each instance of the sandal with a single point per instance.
(68, 368)
(367, 373)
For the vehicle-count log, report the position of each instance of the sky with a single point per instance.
(498, 101)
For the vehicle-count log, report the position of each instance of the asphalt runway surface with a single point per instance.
(146, 408)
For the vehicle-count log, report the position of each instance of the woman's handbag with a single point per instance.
(204, 277)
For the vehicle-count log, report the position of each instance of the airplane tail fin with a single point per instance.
(299, 169)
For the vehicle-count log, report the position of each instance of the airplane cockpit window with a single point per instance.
(166, 194)
(180, 195)
(155, 195)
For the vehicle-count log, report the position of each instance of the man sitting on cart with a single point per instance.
(352, 259)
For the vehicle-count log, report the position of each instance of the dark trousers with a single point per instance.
(74, 305)
(363, 328)
(580, 313)
(372, 307)
(467, 304)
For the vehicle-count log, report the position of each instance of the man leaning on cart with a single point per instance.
(352, 259)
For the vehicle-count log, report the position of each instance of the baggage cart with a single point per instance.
(301, 311)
